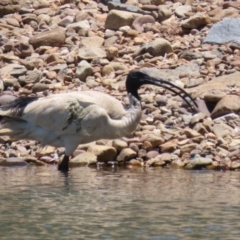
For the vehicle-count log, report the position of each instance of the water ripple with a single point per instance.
(41, 203)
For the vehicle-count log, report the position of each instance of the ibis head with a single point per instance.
(137, 78)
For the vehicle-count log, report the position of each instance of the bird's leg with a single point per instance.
(63, 166)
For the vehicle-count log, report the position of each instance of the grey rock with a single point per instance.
(164, 13)
(152, 154)
(18, 71)
(189, 55)
(112, 52)
(197, 118)
(84, 69)
(9, 82)
(110, 41)
(83, 159)
(158, 47)
(173, 74)
(39, 87)
(6, 98)
(79, 25)
(43, 19)
(117, 19)
(9, 6)
(222, 83)
(91, 53)
(182, 10)
(54, 37)
(22, 49)
(29, 17)
(35, 161)
(208, 55)
(126, 7)
(228, 104)
(222, 130)
(225, 31)
(31, 77)
(235, 165)
(119, 145)
(142, 20)
(66, 21)
(93, 41)
(155, 162)
(196, 21)
(103, 153)
(126, 154)
(198, 163)
(58, 67)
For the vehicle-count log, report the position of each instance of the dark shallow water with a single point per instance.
(154, 204)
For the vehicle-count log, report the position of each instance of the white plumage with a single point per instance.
(69, 119)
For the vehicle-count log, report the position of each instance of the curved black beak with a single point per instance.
(137, 78)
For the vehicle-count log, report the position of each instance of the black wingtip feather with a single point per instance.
(18, 105)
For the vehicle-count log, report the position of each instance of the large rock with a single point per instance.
(53, 38)
(173, 74)
(126, 154)
(223, 83)
(7, 70)
(115, 5)
(103, 153)
(84, 69)
(79, 25)
(113, 66)
(9, 6)
(182, 10)
(155, 162)
(169, 146)
(222, 130)
(87, 53)
(119, 145)
(93, 41)
(83, 159)
(154, 140)
(198, 163)
(218, 14)
(22, 49)
(164, 13)
(224, 32)
(140, 21)
(196, 21)
(190, 133)
(188, 148)
(117, 19)
(158, 47)
(31, 77)
(228, 104)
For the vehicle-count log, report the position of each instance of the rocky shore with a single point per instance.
(49, 47)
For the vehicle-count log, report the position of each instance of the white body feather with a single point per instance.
(69, 119)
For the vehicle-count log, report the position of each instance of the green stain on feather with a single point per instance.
(76, 114)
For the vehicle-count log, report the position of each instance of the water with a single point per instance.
(154, 204)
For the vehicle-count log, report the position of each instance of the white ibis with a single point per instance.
(73, 118)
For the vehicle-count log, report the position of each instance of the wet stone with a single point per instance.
(83, 159)
(126, 154)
